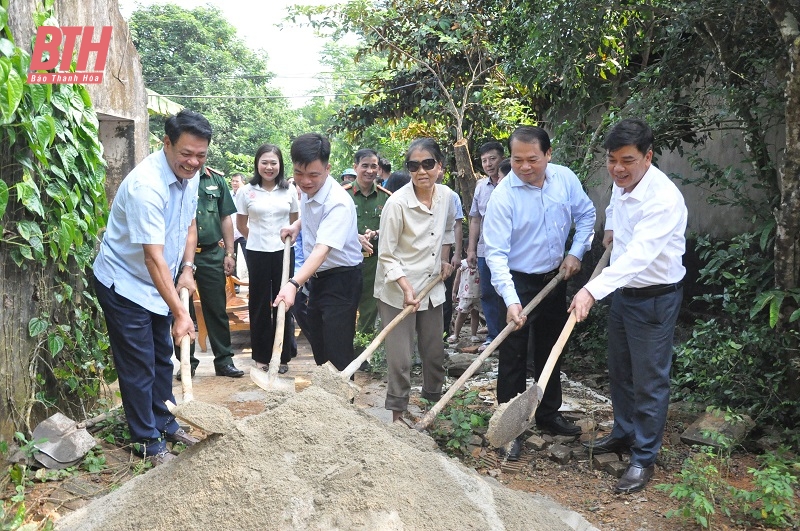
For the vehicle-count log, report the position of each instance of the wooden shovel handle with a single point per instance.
(186, 343)
(351, 369)
(555, 353)
(437, 408)
(280, 320)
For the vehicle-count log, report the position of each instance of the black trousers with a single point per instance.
(265, 270)
(540, 332)
(332, 304)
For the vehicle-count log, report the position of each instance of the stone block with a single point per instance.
(458, 363)
(560, 454)
(615, 468)
(476, 440)
(565, 439)
(601, 460)
(535, 443)
(587, 425)
(715, 425)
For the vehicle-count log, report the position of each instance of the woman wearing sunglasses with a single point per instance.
(416, 234)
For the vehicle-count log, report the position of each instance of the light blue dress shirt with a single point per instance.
(152, 206)
(526, 228)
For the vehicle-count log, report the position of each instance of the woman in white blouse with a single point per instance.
(416, 234)
(267, 203)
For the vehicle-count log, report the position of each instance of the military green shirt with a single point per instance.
(214, 202)
(368, 207)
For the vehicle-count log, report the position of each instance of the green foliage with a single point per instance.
(735, 357)
(456, 424)
(377, 363)
(52, 208)
(94, 461)
(230, 85)
(704, 491)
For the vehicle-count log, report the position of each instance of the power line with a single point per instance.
(281, 97)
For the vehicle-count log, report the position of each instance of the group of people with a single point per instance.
(368, 251)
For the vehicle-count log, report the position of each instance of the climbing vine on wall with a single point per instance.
(52, 208)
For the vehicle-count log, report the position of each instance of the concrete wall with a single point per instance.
(120, 100)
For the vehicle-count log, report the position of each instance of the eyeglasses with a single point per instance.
(427, 164)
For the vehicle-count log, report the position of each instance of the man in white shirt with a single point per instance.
(646, 220)
(332, 252)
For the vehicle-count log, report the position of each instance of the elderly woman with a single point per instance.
(416, 234)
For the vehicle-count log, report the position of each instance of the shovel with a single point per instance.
(514, 417)
(271, 381)
(64, 442)
(210, 418)
(437, 408)
(339, 382)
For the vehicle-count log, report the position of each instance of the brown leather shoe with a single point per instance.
(180, 436)
(634, 479)
(161, 458)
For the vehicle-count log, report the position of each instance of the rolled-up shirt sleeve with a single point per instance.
(497, 237)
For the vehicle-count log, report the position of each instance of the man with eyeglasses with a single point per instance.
(525, 230)
(646, 220)
(491, 154)
(369, 198)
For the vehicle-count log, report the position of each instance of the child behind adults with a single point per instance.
(467, 294)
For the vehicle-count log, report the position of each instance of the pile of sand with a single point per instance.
(315, 462)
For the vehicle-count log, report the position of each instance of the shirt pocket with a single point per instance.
(212, 198)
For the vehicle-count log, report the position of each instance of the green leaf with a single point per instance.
(55, 344)
(775, 309)
(3, 197)
(3, 18)
(37, 326)
(7, 47)
(27, 229)
(44, 127)
(795, 316)
(11, 90)
(29, 194)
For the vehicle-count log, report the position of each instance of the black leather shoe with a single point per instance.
(634, 479)
(180, 436)
(515, 450)
(607, 444)
(559, 425)
(178, 376)
(228, 370)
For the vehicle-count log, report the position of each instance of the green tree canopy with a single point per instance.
(195, 58)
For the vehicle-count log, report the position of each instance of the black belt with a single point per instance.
(541, 277)
(335, 270)
(204, 248)
(652, 291)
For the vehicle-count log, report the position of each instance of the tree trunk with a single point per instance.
(465, 175)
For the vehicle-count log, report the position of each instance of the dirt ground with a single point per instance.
(575, 485)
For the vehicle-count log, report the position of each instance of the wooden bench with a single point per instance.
(236, 306)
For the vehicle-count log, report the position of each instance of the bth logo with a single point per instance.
(60, 58)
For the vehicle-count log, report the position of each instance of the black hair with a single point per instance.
(310, 147)
(630, 132)
(187, 121)
(397, 180)
(427, 144)
(505, 167)
(239, 175)
(384, 164)
(531, 135)
(280, 179)
(493, 145)
(365, 152)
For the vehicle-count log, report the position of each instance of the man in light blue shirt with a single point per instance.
(527, 222)
(150, 241)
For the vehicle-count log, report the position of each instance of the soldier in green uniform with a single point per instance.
(212, 264)
(369, 198)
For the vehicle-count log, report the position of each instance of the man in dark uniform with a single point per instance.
(212, 264)
(369, 198)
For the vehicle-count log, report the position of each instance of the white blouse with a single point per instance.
(268, 212)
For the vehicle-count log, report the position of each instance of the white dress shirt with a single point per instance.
(649, 227)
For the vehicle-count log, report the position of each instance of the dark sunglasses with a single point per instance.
(427, 164)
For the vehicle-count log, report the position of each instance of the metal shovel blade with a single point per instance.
(512, 418)
(61, 442)
(261, 378)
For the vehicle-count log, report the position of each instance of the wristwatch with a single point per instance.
(189, 264)
(295, 283)
(231, 255)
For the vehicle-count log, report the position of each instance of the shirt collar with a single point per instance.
(638, 193)
(322, 193)
(356, 188)
(167, 175)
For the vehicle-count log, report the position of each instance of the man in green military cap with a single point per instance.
(369, 198)
(212, 264)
